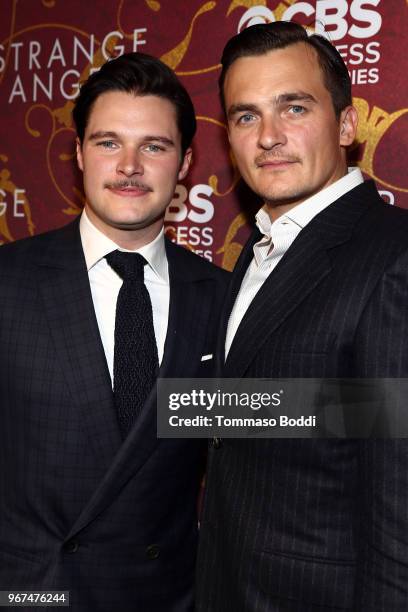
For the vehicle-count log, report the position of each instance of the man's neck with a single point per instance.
(277, 209)
(129, 239)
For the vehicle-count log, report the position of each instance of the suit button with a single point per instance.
(217, 442)
(153, 551)
(71, 546)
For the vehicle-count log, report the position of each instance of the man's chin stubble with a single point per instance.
(282, 199)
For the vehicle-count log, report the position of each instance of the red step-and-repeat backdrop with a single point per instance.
(47, 47)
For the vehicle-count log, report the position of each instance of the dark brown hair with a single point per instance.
(142, 75)
(262, 38)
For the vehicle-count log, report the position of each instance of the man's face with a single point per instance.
(282, 127)
(131, 161)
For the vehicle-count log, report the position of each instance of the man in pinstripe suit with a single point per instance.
(320, 290)
(87, 506)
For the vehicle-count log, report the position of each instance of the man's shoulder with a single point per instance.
(379, 234)
(372, 221)
(191, 265)
(26, 250)
(386, 220)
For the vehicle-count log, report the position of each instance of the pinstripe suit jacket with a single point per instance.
(113, 522)
(309, 525)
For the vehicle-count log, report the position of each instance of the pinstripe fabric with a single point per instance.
(309, 525)
(113, 522)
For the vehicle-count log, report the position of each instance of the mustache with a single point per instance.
(127, 183)
(266, 157)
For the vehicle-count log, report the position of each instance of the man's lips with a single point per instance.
(133, 191)
(275, 163)
(127, 192)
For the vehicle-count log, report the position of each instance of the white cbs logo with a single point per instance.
(201, 209)
(328, 14)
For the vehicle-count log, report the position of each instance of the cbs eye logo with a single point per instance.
(340, 17)
(255, 16)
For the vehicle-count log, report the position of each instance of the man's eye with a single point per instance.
(107, 144)
(247, 118)
(296, 109)
(153, 148)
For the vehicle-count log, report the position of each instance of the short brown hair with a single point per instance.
(141, 75)
(262, 38)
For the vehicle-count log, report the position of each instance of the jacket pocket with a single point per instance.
(322, 582)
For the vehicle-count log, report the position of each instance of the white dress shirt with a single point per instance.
(105, 284)
(276, 239)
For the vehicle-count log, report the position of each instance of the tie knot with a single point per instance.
(127, 265)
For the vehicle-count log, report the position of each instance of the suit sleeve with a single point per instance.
(382, 528)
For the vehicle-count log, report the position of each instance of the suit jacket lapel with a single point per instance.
(191, 299)
(68, 306)
(298, 273)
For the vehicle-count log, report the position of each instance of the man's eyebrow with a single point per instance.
(163, 139)
(102, 134)
(295, 96)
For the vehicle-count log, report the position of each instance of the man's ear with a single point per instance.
(80, 160)
(185, 164)
(348, 126)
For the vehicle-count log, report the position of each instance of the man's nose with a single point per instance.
(271, 133)
(130, 163)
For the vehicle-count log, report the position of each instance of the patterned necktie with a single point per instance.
(135, 362)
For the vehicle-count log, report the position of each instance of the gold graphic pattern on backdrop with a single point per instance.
(373, 124)
(151, 4)
(244, 4)
(231, 249)
(174, 57)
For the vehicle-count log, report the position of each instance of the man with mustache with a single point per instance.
(91, 501)
(319, 291)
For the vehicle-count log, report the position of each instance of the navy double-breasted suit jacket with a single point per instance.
(112, 521)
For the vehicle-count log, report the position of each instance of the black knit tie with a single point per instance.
(135, 363)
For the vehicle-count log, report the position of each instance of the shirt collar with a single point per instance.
(96, 246)
(303, 213)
